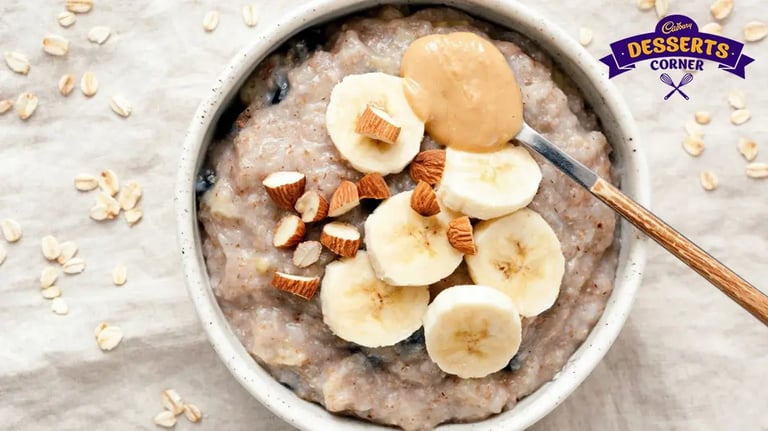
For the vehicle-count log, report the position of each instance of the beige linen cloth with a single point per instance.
(688, 358)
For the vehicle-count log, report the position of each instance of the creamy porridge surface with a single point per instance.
(283, 128)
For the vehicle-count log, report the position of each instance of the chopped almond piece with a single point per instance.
(341, 238)
(424, 200)
(312, 206)
(428, 166)
(288, 231)
(307, 253)
(373, 186)
(343, 199)
(285, 188)
(460, 235)
(376, 124)
(304, 287)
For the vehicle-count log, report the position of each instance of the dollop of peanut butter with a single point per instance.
(462, 87)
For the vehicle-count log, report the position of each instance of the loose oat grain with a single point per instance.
(54, 44)
(26, 104)
(249, 15)
(165, 419)
(51, 292)
(111, 204)
(3, 254)
(712, 28)
(748, 148)
(692, 128)
(720, 9)
(708, 180)
(50, 247)
(192, 413)
(662, 8)
(89, 85)
(79, 6)
(59, 306)
(109, 337)
(129, 195)
(119, 275)
(740, 116)
(585, 36)
(11, 230)
(17, 62)
(211, 21)
(755, 31)
(646, 4)
(108, 182)
(757, 170)
(66, 18)
(86, 182)
(172, 401)
(5, 106)
(133, 216)
(75, 265)
(99, 34)
(736, 99)
(49, 276)
(100, 327)
(66, 84)
(693, 145)
(702, 117)
(68, 251)
(120, 106)
(98, 212)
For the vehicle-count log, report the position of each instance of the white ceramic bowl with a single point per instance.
(617, 123)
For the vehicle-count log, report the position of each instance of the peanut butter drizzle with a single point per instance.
(462, 87)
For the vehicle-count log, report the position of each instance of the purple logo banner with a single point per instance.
(677, 36)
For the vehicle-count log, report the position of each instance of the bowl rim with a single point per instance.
(564, 50)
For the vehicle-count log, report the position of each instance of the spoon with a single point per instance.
(738, 289)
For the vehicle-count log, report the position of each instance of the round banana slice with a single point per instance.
(489, 185)
(472, 331)
(381, 95)
(521, 256)
(407, 249)
(360, 308)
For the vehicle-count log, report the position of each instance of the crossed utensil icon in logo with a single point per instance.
(665, 78)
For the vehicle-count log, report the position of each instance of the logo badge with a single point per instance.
(677, 44)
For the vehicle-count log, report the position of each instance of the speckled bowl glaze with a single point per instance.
(618, 126)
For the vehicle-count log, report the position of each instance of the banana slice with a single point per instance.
(489, 185)
(407, 249)
(350, 99)
(521, 256)
(360, 308)
(472, 331)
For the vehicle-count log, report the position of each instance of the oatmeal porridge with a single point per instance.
(298, 199)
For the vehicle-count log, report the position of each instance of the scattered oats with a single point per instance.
(165, 419)
(79, 6)
(17, 62)
(748, 148)
(694, 129)
(75, 265)
(133, 216)
(192, 413)
(3, 254)
(712, 28)
(26, 104)
(585, 36)
(757, 170)
(109, 337)
(646, 4)
(51, 292)
(693, 145)
(172, 401)
(66, 84)
(55, 45)
(736, 99)
(51, 247)
(211, 21)
(68, 251)
(662, 7)
(98, 212)
(120, 106)
(111, 204)
(119, 275)
(130, 193)
(86, 182)
(720, 9)
(262, 265)
(99, 34)
(48, 276)
(66, 18)
(708, 180)
(100, 327)
(5, 106)
(702, 117)
(249, 15)
(108, 182)
(755, 30)
(58, 306)
(740, 116)
(89, 84)
(11, 230)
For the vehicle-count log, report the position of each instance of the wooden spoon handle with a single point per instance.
(738, 289)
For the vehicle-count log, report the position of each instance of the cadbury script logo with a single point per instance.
(677, 44)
